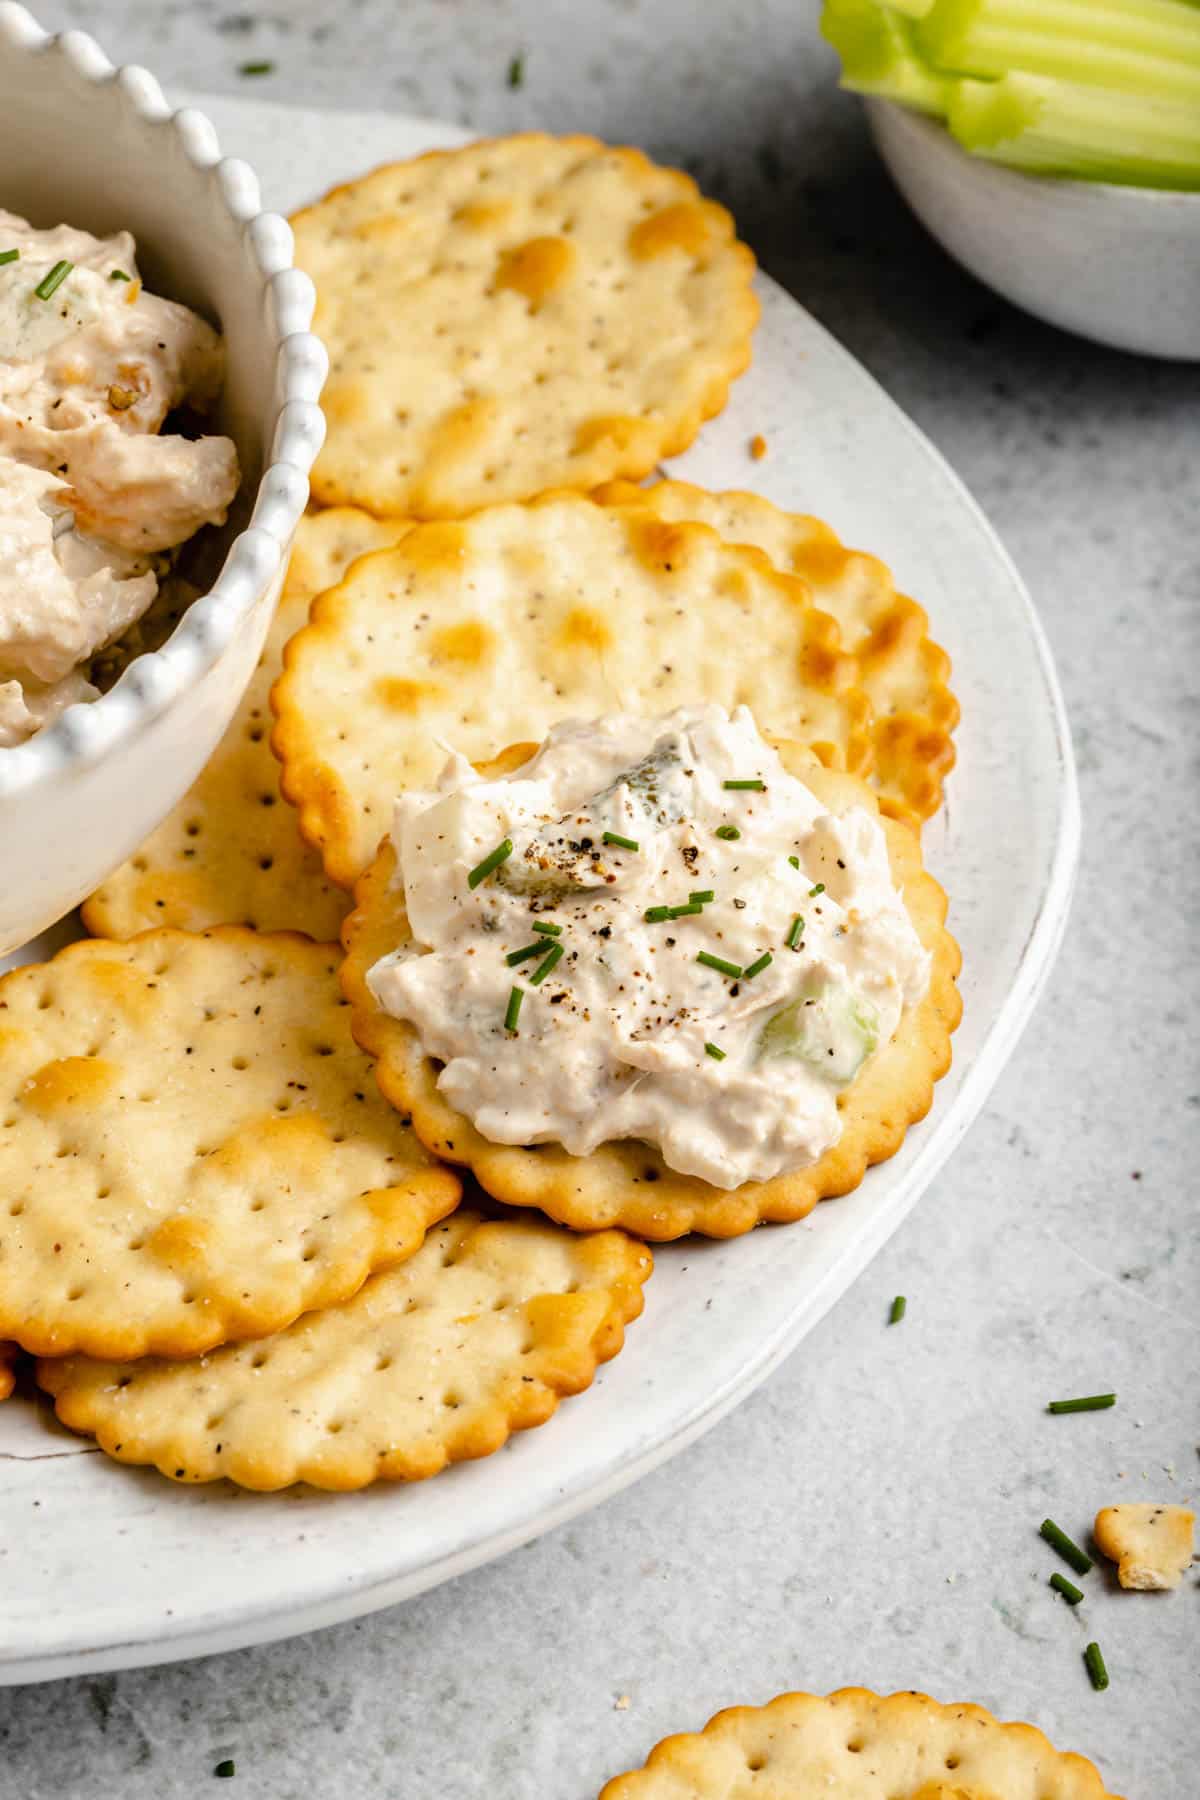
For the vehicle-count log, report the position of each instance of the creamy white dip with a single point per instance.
(90, 494)
(732, 1072)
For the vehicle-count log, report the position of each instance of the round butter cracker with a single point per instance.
(525, 313)
(477, 632)
(855, 1745)
(230, 853)
(903, 673)
(193, 1149)
(626, 1183)
(430, 1363)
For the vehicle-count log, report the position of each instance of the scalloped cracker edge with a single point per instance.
(855, 1745)
(904, 674)
(434, 1362)
(627, 1183)
(524, 313)
(193, 1147)
(480, 631)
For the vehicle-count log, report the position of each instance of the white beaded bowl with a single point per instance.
(100, 148)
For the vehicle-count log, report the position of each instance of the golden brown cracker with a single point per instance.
(434, 1362)
(855, 1745)
(230, 853)
(627, 1183)
(904, 674)
(8, 1357)
(193, 1149)
(476, 632)
(525, 313)
(1150, 1543)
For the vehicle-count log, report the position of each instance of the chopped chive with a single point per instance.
(516, 72)
(899, 1308)
(703, 895)
(622, 843)
(256, 68)
(814, 891)
(715, 1051)
(1070, 1552)
(756, 968)
(795, 861)
(7, 256)
(751, 787)
(119, 275)
(519, 956)
(655, 915)
(794, 931)
(719, 964)
(728, 832)
(226, 1769)
(553, 957)
(513, 1010)
(684, 912)
(491, 861)
(1086, 1403)
(547, 927)
(1070, 1593)
(1094, 1663)
(52, 280)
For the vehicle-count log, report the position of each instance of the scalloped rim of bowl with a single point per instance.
(87, 731)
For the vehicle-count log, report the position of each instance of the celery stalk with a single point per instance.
(913, 9)
(1061, 128)
(875, 44)
(1147, 46)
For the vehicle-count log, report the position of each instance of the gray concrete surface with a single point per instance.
(866, 1517)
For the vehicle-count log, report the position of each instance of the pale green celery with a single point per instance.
(913, 9)
(875, 44)
(1144, 46)
(828, 1026)
(1062, 128)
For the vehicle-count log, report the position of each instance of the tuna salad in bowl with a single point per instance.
(95, 500)
(158, 417)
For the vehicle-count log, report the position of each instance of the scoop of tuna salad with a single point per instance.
(93, 500)
(650, 930)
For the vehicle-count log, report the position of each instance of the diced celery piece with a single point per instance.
(914, 9)
(879, 57)
(1142, 46)
(828, 1026)
(1062, 128)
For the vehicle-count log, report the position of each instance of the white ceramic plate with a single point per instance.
(103, 1567)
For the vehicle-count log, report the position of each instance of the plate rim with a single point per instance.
(341, 1600)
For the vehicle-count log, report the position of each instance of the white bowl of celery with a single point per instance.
(1052, 146)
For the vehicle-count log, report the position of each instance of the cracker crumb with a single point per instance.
(621, 1703)
(758, 447)
(1150, 1543)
